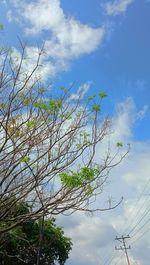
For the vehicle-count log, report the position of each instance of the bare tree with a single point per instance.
(47, 145)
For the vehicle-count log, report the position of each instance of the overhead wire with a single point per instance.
(116, 263)
(142, 228)
(139, 219)
(136, 239)
(137, 209)
(140, 216)
(109, 257)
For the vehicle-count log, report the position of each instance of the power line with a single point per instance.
(140, 220)
(143, 233)
(123, 247)
(109, 259)
(132, 220)
(137, 209)
(119, 258)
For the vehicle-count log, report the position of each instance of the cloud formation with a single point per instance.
(90, 237)
(66, 38)
(94, 237)
(82, 90)
(117, 7)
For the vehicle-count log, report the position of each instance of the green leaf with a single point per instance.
(63, 89)
(26, 101)
(40, 105)
(2, 105)
(55, 105)
(79, 146)
(66, 116)
(31, 124)
(1, 27)
(91, 97)
(96, 108)
(89, 190)
(25, 159)
(52, 105)
(103, 94)
(88, 173)
(119, 144)
(42, 89)
(77, 179)
(71, 180)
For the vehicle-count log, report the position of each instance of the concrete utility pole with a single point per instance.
(124, 248)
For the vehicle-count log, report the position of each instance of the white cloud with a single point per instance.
(90, 236)
(117, 7)
(142, 112)
(121, 128)
(81, 91)
(46, 68)
(66, 38)
(125, 117)
(94, 237)
(9, 16)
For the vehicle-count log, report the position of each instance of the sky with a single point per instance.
(98, 45)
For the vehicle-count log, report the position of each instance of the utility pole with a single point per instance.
(124, 247)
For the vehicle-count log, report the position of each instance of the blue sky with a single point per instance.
(118, 64)
(99, 45)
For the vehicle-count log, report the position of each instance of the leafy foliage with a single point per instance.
(25, 159)
(103, 94)
(20, 245)
(31, 124)
(76, 179)
(51, 105)
(96, 107)
(119, 144)
(1, 27)
(44, 138)
(91, 97)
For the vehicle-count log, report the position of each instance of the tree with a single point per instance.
(33, 239)
(48, 143)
